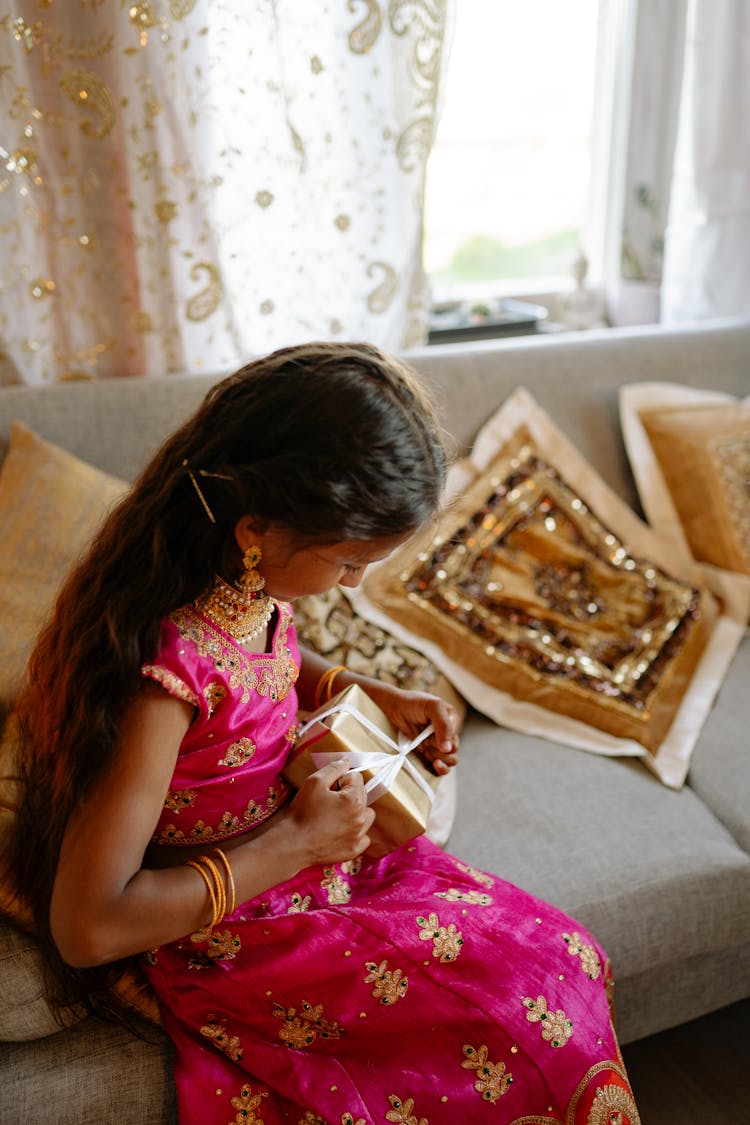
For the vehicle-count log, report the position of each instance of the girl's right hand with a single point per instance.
(331, 811)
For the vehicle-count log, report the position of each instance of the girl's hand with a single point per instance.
(331, 811)
(411, 712)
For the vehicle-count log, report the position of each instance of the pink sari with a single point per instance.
(411, 989)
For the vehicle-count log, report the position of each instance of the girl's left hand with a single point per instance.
(411, 712)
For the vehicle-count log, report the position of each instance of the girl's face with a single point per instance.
(293, 571)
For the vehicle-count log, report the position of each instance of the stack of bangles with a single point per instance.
(324, 687)
(222, 895)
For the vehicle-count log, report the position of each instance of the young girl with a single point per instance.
(301, 981)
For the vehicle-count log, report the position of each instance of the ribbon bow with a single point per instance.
(385, 767)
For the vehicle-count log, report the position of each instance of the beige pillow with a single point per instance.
(697, 455)
(551, 606)
(51, 503)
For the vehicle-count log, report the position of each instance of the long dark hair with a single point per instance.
(330, 441)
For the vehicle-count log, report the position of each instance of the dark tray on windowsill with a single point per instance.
(454, 323)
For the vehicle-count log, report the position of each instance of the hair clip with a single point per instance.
(197, 487)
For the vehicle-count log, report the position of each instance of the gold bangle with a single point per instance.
(324, 687)
(230, 881)
(209, 886)
(221, 894)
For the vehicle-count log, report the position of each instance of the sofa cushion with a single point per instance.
(24, 1011)
(552, 607)
(690, 454)
(95, 1074)
(50, 506)
(649, 870)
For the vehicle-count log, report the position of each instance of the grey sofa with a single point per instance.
(662, 877)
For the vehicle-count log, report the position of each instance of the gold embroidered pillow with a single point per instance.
(549, 604)
(51, 503)
(701, 449)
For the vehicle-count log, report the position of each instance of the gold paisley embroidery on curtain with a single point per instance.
(203, 304)
(381, 298)
(364, 36)
(88, 91)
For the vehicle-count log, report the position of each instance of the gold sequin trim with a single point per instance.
(170, 682)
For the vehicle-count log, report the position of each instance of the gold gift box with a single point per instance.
(402, 811)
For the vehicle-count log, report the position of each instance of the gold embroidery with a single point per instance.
(478, 876)
(246, 1105)
(545, 587)
(237, 753)
(351, 866)
(302, 1030)
(179, 799)
(590, 962)
(348, 1119)
(555, 1026)
(364, 36)
(390, 984)
(209, 643)
(401, 1112)
(171, 682)
(222, 945)
(204, 304)
(299, 904)
(474, 898)
(626, 1106)
(613, 1105)
(217, 1032)
(492, 1081)
(311, 1118)
(89, 92)
(336, 887)
(214, 694)
(446, 940)
(171, 834)
(381, 298)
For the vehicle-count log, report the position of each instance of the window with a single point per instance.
(509, 178)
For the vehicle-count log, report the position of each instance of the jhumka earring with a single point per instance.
(242, 611)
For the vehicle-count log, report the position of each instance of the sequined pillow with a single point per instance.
(51, 503)
(550, 605)
(690, 454)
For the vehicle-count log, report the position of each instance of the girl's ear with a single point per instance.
(247, 532)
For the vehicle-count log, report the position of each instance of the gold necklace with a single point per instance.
(242, 611)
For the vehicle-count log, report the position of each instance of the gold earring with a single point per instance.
(242, 611)
(251, 581)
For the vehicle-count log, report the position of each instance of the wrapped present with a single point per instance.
(400, 785)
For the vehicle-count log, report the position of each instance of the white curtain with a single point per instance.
(707, 242)
(684, 174)
(187, 183)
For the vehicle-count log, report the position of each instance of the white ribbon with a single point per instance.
(384, 767)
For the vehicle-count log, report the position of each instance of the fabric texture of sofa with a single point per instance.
(660, 875)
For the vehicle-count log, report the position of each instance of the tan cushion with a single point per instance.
(550, 605)
(704, 456)
(51, 503)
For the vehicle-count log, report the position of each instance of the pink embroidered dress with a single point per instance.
(411, 989)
